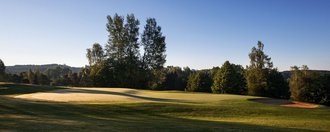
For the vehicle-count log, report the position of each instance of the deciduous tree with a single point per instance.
(229, 79)
(154, 45)
(199, 81)
(154, 56)
(123, 50)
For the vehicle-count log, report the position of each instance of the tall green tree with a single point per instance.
(134, 76)
(154, 56)
(98, 68)
(123, 50)
(132, 36)
(2, 67)
(175, 78)
(117, 42)
(307, 85)
(2, 70)
(123, 38)
(261, 77)
(256, 76)
(298, 82)
(95, 54)
(154, 45)
(258, 59)
(229, 79)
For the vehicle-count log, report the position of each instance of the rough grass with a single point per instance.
(228, 114)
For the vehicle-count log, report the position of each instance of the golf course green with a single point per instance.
(45, 108)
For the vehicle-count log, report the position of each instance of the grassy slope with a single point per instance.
(223, 115)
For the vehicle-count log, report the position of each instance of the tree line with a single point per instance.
(120, 63)
(16, 69)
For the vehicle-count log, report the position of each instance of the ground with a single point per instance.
(285, 103)
(41, 108)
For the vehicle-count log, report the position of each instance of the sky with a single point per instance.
(199, 33)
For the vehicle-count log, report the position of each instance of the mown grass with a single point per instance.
(223, 115)
(14, 89)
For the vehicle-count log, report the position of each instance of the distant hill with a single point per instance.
(23, 68)
(287, 74)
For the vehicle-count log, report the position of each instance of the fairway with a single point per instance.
(39, 108)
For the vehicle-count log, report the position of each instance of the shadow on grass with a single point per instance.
(271, 101)
(10, 88)
(24, 115)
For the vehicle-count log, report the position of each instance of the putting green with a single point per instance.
(73, 94)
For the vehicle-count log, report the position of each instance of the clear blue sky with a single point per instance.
(199, 33)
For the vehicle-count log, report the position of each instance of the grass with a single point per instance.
(231, 113)
(15, 89)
